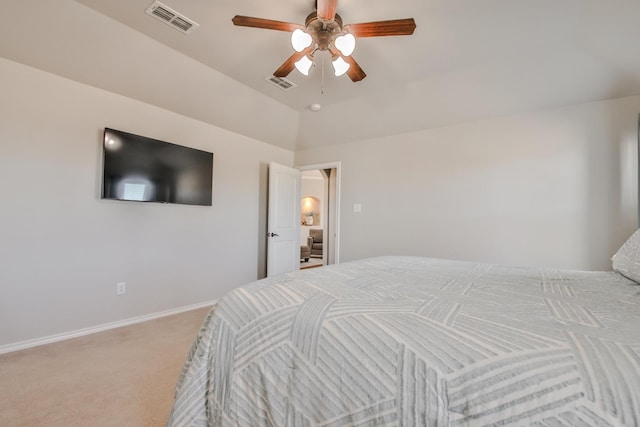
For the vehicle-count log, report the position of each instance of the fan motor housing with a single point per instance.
(323, 32)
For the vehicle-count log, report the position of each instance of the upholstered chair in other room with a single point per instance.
(314, 241)
(305, 253)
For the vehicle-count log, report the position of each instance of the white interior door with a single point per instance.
(283, 222)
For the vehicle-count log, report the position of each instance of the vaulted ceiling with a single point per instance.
(467, 60)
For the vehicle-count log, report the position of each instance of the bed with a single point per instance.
(410, 341)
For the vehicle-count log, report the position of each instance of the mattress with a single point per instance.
(409, 341)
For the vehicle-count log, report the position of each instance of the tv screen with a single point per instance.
(143, 169)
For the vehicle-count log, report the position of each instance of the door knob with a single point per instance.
(272, 235)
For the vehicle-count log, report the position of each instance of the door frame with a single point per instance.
(337, 166)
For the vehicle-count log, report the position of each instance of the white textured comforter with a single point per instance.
(418, 342)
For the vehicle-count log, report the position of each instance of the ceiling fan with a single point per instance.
(324, 31)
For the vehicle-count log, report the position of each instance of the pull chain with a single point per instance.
(322, 76)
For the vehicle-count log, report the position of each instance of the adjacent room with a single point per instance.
(455, 212)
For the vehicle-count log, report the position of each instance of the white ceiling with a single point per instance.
(467, 60)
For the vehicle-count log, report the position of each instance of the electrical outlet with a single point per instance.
(121, 288)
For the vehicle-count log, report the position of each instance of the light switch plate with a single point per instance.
(357, 207)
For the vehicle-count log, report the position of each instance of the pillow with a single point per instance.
(627, 260)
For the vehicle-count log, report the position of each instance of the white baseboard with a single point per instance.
(100, 328)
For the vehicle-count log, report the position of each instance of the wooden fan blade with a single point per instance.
(268, 24)
(326, 9)
(395, 27)
(354, 72)
(287, 66)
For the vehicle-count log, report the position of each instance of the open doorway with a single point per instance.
(319, 215)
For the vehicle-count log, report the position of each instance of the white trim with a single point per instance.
(337, 166)
(100, 328)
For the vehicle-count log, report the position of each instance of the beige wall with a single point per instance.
(63, 249)
(554, 188)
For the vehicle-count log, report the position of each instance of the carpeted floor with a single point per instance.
(121, 377)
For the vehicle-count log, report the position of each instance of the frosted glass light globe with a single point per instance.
(300, 40)
(340, 66)
(345, 44)
(304, 65)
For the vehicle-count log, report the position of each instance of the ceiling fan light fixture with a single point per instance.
(340, 66)
(323, 31)
(300, 40)
(345, 43)
(304, 65)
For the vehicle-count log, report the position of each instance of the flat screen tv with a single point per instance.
(143, 169)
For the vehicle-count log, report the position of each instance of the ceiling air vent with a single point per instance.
(281, 82)
(172, 18)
